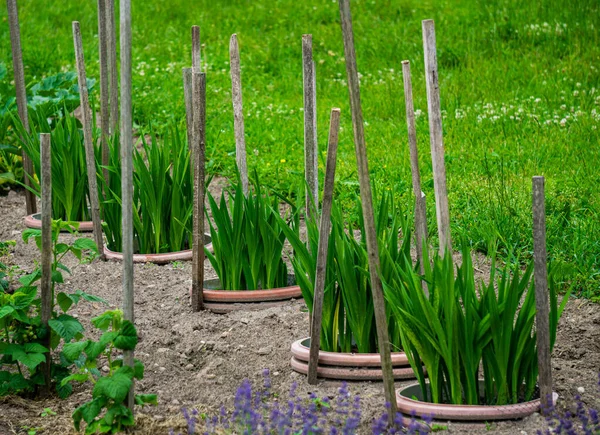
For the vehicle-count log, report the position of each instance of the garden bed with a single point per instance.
(199, 359)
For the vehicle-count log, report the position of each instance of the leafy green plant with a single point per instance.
(23, 338)
(348, 322)
(462, 326)
(247, 240)
(111, 390)
(162, 196)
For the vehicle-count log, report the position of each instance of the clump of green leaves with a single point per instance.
(462, 326)
(247, 240)
(107, 412)
(24, 341)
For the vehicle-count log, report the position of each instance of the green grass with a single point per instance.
(496, 59)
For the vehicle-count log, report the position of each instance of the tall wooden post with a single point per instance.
(540, 277)
(88, 140)
(19, 74)
(311, 163)
(238, 112)
(187, 98)
(127, 174)
(46, 284)
(196, 60)
(367, 209)
(321, 272)
(104, 87)
(436, 137)
(112, 66)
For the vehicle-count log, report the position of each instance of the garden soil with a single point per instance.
(199, 359)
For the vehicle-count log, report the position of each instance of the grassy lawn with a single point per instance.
(520, 89)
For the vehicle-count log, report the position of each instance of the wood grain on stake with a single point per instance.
(310, 126)
(540, 276)
(367, 208)
(127, 175)
(436, 137)
(238, 112)
(187, 98)
(420, 210)
(46, 284)
(104, 89)
(196, 48)
(21, 96)
(112, 66)
(317, 312)
(199, 154)
(90, 158)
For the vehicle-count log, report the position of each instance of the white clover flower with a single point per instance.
(563, 122)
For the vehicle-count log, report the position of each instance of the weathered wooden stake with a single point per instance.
(46, 285)
(112, 66)
(238, 112)
(196, 62)
(420, 210)
(88, 140)
(187, 97)
(104, 89)
(127, 174)
(19, 74)
(367, 208)
(540, 276)
(317, 311)
(311, 168)
(199, 155)
(436, 137)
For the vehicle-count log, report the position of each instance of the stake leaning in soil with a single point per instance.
(90, 157)
(21, 96)
(127, 176)
(367, 208)
(199, 156)
(316, 319)
(540, 277)
(104, 91)
(112, 66)
(436, 137)
(46, 284)
(311, 171)
(238, 113)
(420, 209)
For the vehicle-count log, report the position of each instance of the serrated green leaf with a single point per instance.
(64, 301)
(6, 310)
(66, 326)
(72, 350)
(57, 277)
(115, 387)
(127, 338)
(85, 244)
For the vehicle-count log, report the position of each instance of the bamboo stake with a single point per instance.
(199, 155)
(17, 57)
(46, 284)
(238, 113)
(420, 210)
(436, 137)
(104, 90)
(112, 66)
(317, 312)
(127, 174)
(196, 48)
(187, 97)
(367, 208)
(540, 274)
(310, 126)
(90, 157)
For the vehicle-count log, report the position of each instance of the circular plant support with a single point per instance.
(223, 301)
(35, 221)
(348, 366)
(162, 258)
(407, 404)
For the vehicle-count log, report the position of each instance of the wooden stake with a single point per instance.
(436, 137)
(104, 90)
(112, 66)
(196, 48)
(46, 285)
(367, 209)
(238, 113)
(420, 210)
(17, 57)
(540, 274)
(311, 170)
(187, 97)
(317, 311)
(127, 174)
(199, 155)
(90, 157)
